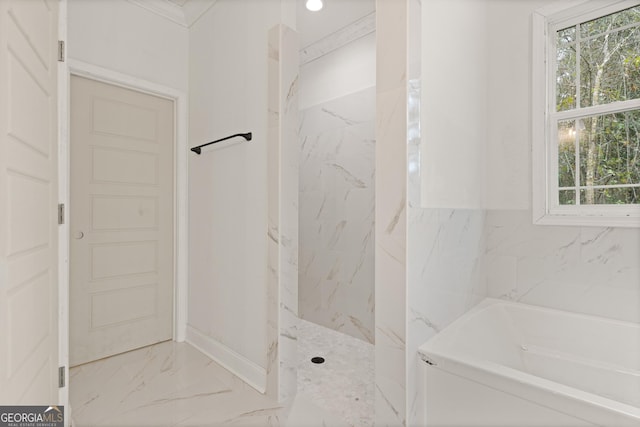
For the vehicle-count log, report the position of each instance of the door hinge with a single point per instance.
(61, 377)
(60, 213)
(61, 51)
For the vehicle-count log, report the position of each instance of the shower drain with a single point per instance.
(317, 359)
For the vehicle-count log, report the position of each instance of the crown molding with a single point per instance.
(360, 28)
(194, 9)
(184, 16)
(164, 8)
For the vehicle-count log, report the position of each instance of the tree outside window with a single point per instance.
(597, 114)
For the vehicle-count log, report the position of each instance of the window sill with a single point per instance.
(583, 220)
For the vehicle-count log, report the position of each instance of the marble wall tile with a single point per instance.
(390, 258)
(458, 257)
(282, 214)
(446, 278)
(289, 230)
(591, 270)
(356, 108)
(337, 201)
(391, 213)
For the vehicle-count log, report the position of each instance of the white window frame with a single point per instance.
(546, 209)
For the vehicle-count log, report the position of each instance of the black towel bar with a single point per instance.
(198, 150)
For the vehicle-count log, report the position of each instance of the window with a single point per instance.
(586, 124)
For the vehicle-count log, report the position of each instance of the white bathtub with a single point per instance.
(510, 364)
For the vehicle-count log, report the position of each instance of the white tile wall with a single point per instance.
(589, 270)
(391, 213)
(337, 202)
(445, 279)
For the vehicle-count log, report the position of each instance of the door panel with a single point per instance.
(121, 217)
(28, 203)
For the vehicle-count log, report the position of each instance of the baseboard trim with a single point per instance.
(240, 366)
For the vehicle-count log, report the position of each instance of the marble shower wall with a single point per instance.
(337, 203)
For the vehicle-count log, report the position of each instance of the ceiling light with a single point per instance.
(314, 5)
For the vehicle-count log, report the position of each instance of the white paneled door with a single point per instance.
(28, 202)
(121, 220)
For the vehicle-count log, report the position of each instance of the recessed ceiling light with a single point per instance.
(314, 5)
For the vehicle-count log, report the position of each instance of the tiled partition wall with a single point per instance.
(337, 202)
(429, 261)
(282, 185)
(391, 212)
(445, 246)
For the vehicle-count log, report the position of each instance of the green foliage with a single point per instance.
(607, 71)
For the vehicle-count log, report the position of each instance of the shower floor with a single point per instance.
(173, 384)
(344, 384)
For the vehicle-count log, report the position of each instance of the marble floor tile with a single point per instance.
(167, 384)
(173, 384)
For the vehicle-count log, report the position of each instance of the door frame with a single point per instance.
(180, 163)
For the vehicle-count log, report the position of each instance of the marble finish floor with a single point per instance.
(173, 384)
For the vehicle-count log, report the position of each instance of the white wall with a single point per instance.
(508, 148)
(454, 103)
(475, 105)
(120, 36)
(228, 186)
(343, 71)
(221, 61)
